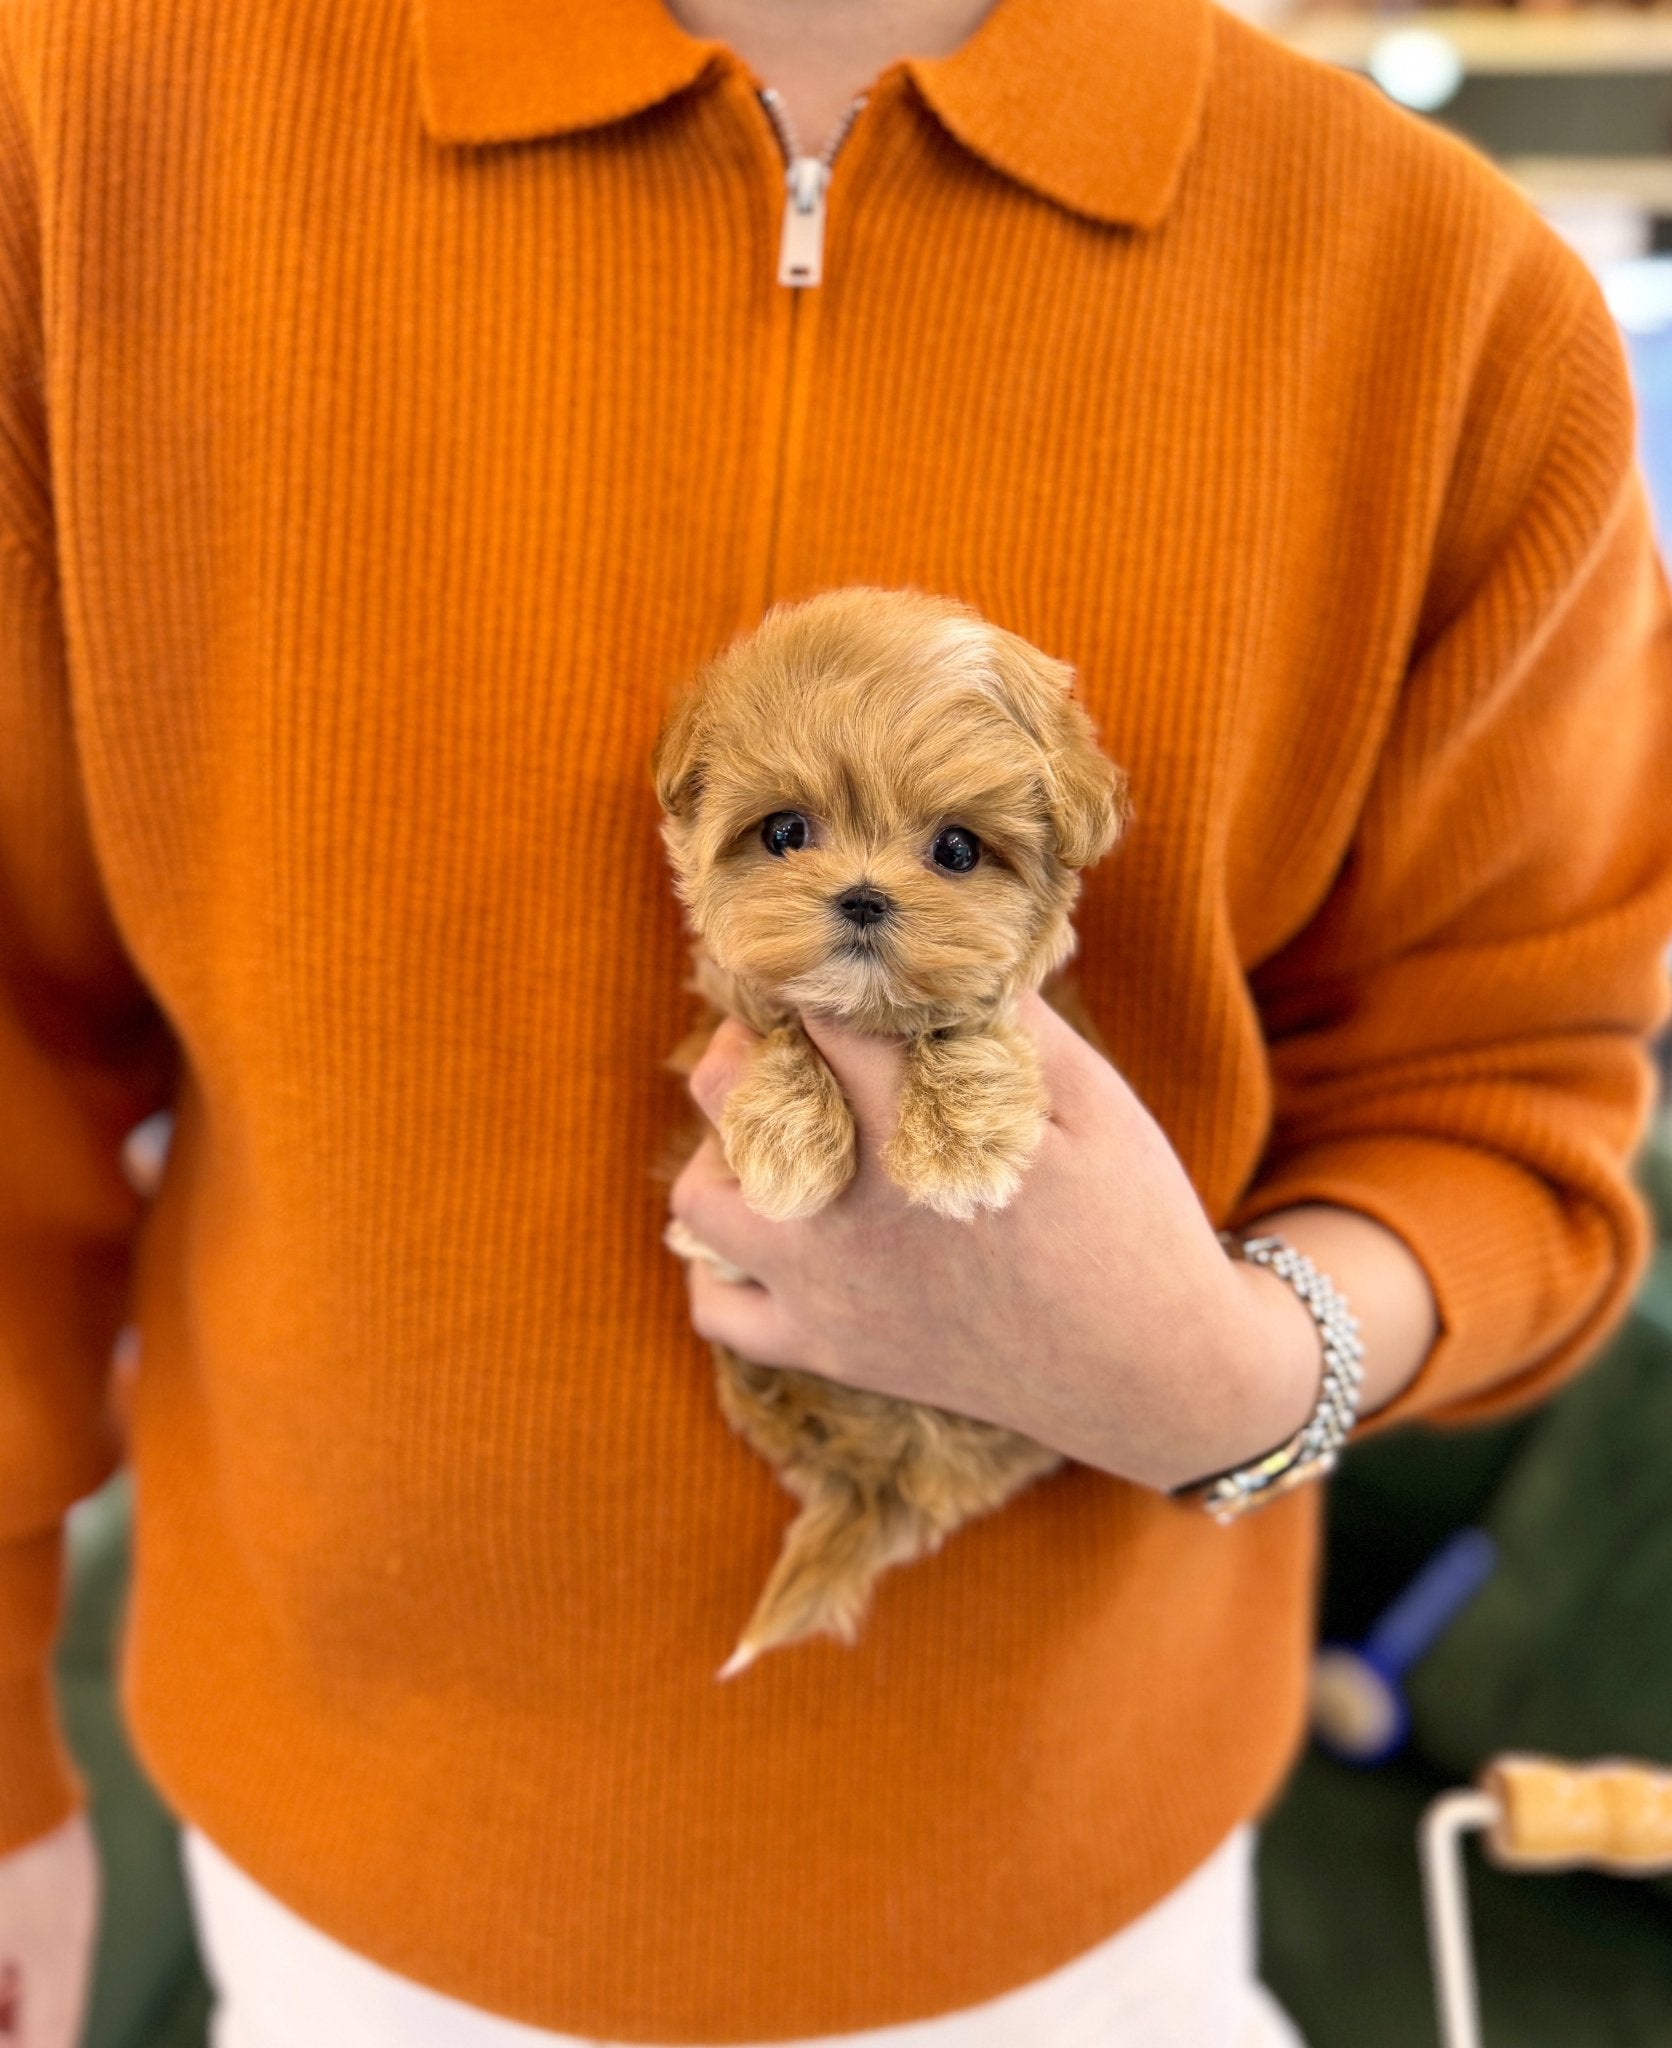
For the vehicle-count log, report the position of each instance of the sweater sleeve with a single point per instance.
(1460, 1039)
(84, 1055)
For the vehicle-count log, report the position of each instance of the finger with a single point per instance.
(1052, 1032)
(716, 1073)
(684, 1243)
(707, 1200)
(1077, 1076)
(745, 1318)
(870, 1072)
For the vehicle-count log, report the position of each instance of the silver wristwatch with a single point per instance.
(1312, 1450)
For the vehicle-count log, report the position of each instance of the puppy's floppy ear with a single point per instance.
(1092, 802)
(676, 762)
(1088, 796)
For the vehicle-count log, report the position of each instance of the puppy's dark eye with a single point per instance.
(955, 850)
(784, 832)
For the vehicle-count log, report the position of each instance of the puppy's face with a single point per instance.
(877, 805)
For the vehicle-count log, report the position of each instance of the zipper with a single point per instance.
(793, 318)
(806, 181)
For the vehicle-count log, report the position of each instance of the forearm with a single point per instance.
(1381, 1279)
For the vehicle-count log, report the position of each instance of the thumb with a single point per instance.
(870, 1071)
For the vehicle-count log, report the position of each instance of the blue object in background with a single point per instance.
(1639, 291)
(1358, 1709)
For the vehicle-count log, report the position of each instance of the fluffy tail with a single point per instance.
(834, 1551)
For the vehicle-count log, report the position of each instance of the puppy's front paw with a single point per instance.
(787, 1130)
(972, 1113)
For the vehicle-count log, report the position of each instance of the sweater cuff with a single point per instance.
(40, 1786)
(1530, 1281)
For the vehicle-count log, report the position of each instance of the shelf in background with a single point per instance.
(1641, 181)
(1606, 39)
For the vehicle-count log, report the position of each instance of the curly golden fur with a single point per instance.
(825, 782)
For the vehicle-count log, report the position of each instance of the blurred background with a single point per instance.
(1495, 1590)
(1540, 1552)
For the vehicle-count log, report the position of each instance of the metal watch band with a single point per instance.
(1313, 1448)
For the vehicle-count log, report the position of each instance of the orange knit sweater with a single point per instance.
(397, 398)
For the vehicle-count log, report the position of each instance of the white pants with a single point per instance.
(1180, 1976)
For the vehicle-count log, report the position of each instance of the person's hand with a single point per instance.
(1097, 1313)
(49, 1909)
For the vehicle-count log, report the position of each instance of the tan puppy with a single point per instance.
(877, 807)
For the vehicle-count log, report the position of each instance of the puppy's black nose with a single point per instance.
(864, 905)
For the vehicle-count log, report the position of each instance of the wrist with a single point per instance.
(1262, 1358)
(1269, 1366)
(1281, 1362)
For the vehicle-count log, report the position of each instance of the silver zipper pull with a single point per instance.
(801, 246)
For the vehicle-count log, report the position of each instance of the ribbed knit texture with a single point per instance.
(364, 492)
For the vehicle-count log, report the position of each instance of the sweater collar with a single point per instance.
(1093, 103)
